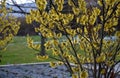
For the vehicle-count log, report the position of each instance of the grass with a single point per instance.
(17, 52)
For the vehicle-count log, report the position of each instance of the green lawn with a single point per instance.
(17, 52)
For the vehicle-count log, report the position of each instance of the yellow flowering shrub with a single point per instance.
(77, 36)
(9, 27)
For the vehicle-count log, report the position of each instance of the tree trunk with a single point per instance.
(42, 51)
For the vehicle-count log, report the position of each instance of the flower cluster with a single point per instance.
(31, 44)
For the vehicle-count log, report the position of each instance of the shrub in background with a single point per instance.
(9, 26)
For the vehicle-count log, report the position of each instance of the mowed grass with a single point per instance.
(17, 52)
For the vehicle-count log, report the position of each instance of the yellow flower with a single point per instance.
(98, 59)
(96, 45)
(100, 3)
(55, 52)
(109, 63)
(39, 57)
(117, 33)
(70, 16)
(28, 19)
(74, 76)
(84, 74)
(41, 4)
(82, 4)
(60, 7)
(118, 11)
(55, 42)
(84, 19)
(88, 60)
(47, 44)
(71, 57)
(108, 2)
(44, 14)
(96, 11)
(59, 35)
(37, 46)
(65, 54)
(63, 44)
(4, 49)
(103, 71)
(109, 12)
(101, 58)
(36, 29)
(53, 64)
(85, 30)
(79, 56)
(78, 19)
(79, 30)
(75, 69)
(101, 17)
(50, 35)
(70, 3)
(110, 54)
(92, 19)
(82, 46)
(76, 10)
(65, 21)
(60, 63)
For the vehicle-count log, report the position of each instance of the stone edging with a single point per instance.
(85, 66)
(24, 64)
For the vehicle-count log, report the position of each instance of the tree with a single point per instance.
(8, 26)
(89, 48)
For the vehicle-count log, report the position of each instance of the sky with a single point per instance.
(23, 1)
(20, 1)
